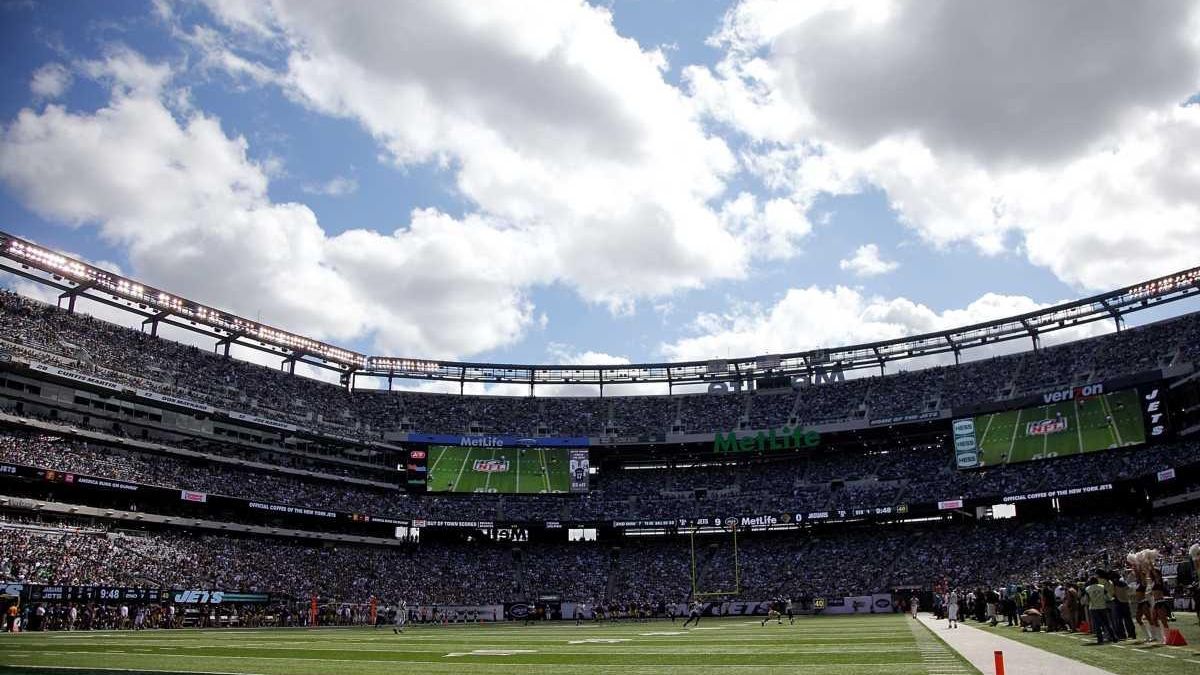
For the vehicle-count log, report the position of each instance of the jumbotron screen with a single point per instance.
(1076, 425)
(510, 470)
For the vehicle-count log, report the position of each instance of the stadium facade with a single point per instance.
(138, 450)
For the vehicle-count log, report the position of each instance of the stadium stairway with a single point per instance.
(518, 559)
(614, 573)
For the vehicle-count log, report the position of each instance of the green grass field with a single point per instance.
(1125, 658)
(1003, 437)
(846, 645)
(516, 470)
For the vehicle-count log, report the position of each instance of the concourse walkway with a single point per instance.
(978, 647)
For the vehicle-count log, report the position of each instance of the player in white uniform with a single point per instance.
(401, 618)
(952, 609)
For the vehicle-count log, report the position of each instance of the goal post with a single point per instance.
(700, 592)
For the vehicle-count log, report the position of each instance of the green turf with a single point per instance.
(1003, 436)
(844, 645)
(528, 470)
(1123, 658)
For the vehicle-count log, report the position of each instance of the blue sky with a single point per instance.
(634, 180)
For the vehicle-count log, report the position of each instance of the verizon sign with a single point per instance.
(1073, 393)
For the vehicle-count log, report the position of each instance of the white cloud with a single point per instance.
(568, 356)
(50, 81)
(866, 262)
(216, 54)
(814, 317)
(773, 230)
(979, 122)
(192, 210)
(338, 186)
(128, 73)
(581, 166)
(550, 121)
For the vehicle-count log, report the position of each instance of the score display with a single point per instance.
(508, 470)
(1072, 422)
(417, 470)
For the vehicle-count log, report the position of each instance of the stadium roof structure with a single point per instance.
(76, 279)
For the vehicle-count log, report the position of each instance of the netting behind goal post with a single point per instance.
(716, 566)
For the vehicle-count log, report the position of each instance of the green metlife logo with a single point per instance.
(783, 438)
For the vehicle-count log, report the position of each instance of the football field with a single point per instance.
(1060, 429)
(455, 468)
(890, 643)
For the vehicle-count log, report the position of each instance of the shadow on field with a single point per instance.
(29, 670)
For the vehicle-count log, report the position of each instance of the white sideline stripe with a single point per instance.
(977, 646)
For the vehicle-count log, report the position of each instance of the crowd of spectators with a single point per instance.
(824, 562)
(38, 331)
(820, 481)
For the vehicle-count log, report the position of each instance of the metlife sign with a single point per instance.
(497, 441)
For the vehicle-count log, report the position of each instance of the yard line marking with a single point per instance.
(488, 483)
(466, 458)
(987, 427)
(1013, 441)
(441, 455)
(1045, 437)
(1078, 425)
(493, 652)
(1112, 422)
(545, 474)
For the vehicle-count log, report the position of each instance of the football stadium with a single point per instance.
(743, 336)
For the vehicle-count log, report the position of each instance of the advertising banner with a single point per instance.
(1066, 492)
(254, 419)
(77, 377)
(210, 597)
(174, 400)
(881, 603)
(580, 470)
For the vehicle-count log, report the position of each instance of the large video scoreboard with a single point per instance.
(1069, 422)
(511, 470)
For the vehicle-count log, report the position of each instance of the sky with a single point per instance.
(539, 181)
